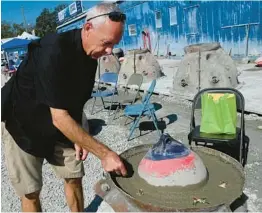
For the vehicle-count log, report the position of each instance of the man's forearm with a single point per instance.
(73, 131)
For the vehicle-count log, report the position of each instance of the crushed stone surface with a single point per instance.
(114, 134)
(176, 114)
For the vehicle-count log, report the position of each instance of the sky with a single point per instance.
(12, 13)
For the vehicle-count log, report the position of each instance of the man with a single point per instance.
(49, 91)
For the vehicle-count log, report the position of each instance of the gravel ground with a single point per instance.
(52, 196)
(114, 134)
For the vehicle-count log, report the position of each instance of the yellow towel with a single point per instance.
(217, 96)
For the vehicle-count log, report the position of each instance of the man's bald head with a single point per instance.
(100, 32)
(102, 8)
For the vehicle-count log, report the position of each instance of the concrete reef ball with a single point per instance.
(204, 65)
(107, 63)
(142, 62)
(185, 168)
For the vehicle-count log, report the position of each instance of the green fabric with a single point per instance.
(219, 113)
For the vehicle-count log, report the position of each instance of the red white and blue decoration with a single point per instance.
(170, 163)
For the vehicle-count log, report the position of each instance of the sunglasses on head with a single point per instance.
(113, 16)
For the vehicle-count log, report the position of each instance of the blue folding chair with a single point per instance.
(143, 109)
(106, 78)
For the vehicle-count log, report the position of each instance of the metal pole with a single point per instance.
(199, 70)
(7, 60)
(247, 38)
(158, 44)
(247, 27)
(134, 61)
(23, 14)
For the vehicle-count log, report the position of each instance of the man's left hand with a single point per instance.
(81, 153)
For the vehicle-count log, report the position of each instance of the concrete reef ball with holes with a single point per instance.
(47, 96)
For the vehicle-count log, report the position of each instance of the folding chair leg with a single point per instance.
(126, 120)
(115, 113)
(131, 131)
(132, 123)
(246, 151)
(93, 106)
(110, 108)
(133, 127)
(153, 115)
(119, 109)
(241, 153)
(103, 103)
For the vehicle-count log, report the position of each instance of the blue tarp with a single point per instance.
(15, 44)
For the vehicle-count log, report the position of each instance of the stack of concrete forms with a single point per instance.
(140, 61)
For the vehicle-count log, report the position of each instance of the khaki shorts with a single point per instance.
(25, 170)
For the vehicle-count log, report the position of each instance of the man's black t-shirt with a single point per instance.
(56, 73)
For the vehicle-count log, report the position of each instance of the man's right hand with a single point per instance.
(112, 163)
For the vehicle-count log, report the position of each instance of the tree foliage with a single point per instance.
(12, 30)
(6, 30)
(18, 29)
(46, 21)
